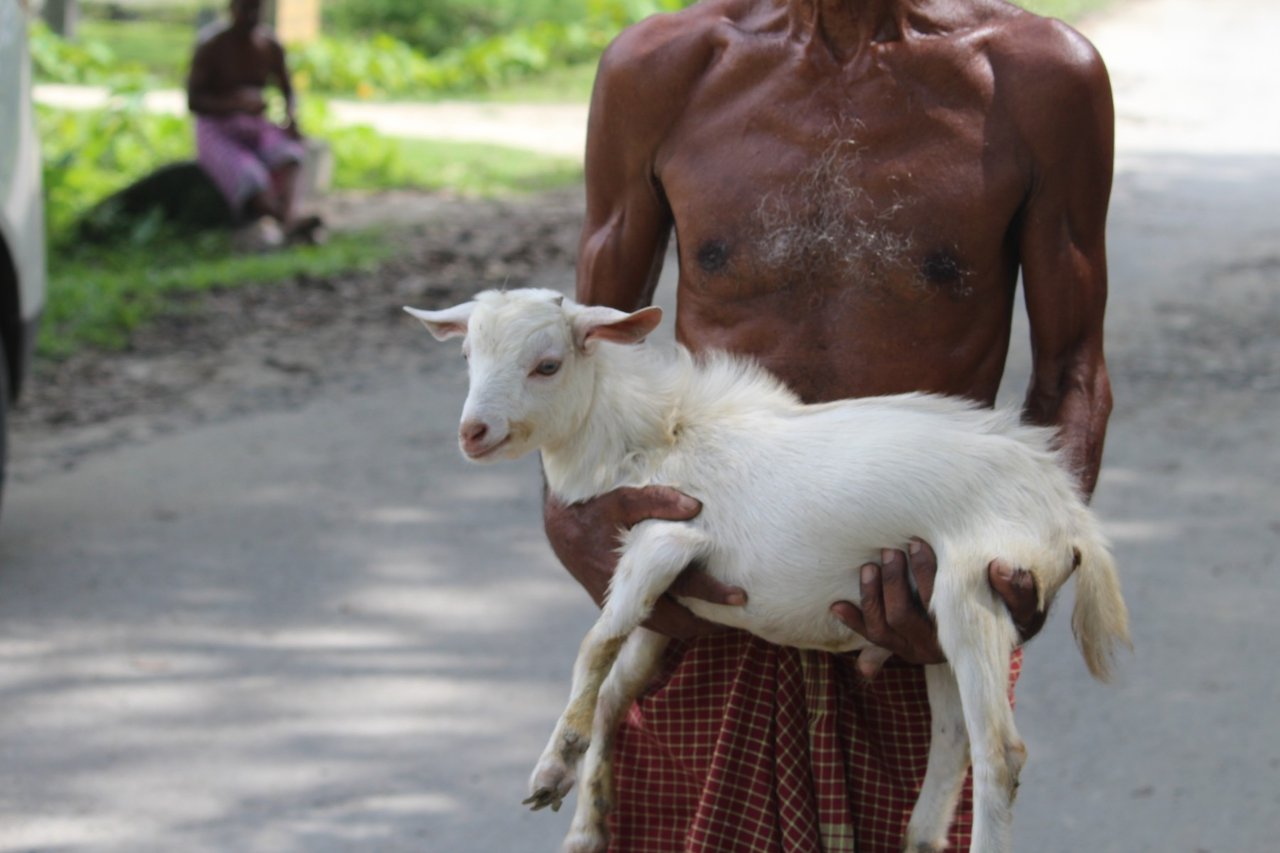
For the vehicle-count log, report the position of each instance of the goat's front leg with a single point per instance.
(653, 555)
(553, 776)
(634, 669)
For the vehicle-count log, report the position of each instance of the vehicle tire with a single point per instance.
(4, 420)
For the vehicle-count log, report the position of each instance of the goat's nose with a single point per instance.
(473, 431)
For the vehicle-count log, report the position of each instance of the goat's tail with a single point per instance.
(1100, 619)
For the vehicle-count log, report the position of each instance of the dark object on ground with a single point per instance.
(178, 195)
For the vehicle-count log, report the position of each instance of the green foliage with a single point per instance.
(385, 67)
(88, 61)
(392, 64)
(401, 48)
(429, 27)
(89, 155)
(163, 48)
(433, 28)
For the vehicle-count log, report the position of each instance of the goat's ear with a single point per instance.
(597, 323)
(446, 323)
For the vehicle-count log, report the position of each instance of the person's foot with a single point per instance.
(261, 235)
(309, 230)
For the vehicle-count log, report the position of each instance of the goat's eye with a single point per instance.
(547, 367)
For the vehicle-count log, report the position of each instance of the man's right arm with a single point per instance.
(624, 240)
(628, 222)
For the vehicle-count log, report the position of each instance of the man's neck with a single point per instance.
(846, 28)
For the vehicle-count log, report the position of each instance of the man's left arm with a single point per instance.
(280, 70)
(1061, 234)
(1062, 237)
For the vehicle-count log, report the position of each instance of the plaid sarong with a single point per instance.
(744, 746)
(239, 152)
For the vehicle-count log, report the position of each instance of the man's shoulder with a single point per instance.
(212, 34)
(1043, 55)
(674, 47)
(1053, 85)
(264, 38)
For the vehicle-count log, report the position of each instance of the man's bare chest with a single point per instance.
(241, 64)
(907, 198)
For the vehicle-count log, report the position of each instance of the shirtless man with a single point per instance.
(254, 162)
(854, 186)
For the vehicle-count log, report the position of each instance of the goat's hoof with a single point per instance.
(924, 846)
(585, 841)
(552, 780)
(542, 798)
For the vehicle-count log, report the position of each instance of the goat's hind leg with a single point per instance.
(978, 637)
(948, 762)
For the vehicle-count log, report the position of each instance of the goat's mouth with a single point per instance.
(487, 452)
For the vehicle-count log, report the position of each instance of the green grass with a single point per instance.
(97, 296)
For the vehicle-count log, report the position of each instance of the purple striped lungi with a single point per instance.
(240, 151)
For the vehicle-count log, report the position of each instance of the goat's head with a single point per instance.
(529, 355)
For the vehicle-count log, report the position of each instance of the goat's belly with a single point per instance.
(775, 612)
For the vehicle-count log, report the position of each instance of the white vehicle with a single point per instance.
(22, 249)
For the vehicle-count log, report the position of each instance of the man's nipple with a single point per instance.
(943, 270)
(713, 256)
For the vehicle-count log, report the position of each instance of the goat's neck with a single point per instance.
(633, 415)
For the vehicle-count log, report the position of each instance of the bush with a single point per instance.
(90, 154)
(469, 57)
(57, 60)
(429, 28)
(389, 65)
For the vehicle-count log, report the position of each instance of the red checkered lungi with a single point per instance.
(745, 746)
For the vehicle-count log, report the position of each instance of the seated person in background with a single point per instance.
(254, 162)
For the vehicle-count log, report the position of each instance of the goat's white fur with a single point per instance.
(794, 498)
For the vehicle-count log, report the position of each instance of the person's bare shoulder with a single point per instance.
(650, 68)
(264, 40)
(1052, 81)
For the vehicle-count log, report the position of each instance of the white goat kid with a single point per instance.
(793, 500)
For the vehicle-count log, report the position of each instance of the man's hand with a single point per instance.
(585, 538)
(897, 620)
(248, 99)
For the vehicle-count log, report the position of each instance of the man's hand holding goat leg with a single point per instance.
(585, 538)
(895, 617)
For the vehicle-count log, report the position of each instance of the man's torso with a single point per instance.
(235, 61)
(850, 223)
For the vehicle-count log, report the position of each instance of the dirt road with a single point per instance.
(257, 603)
